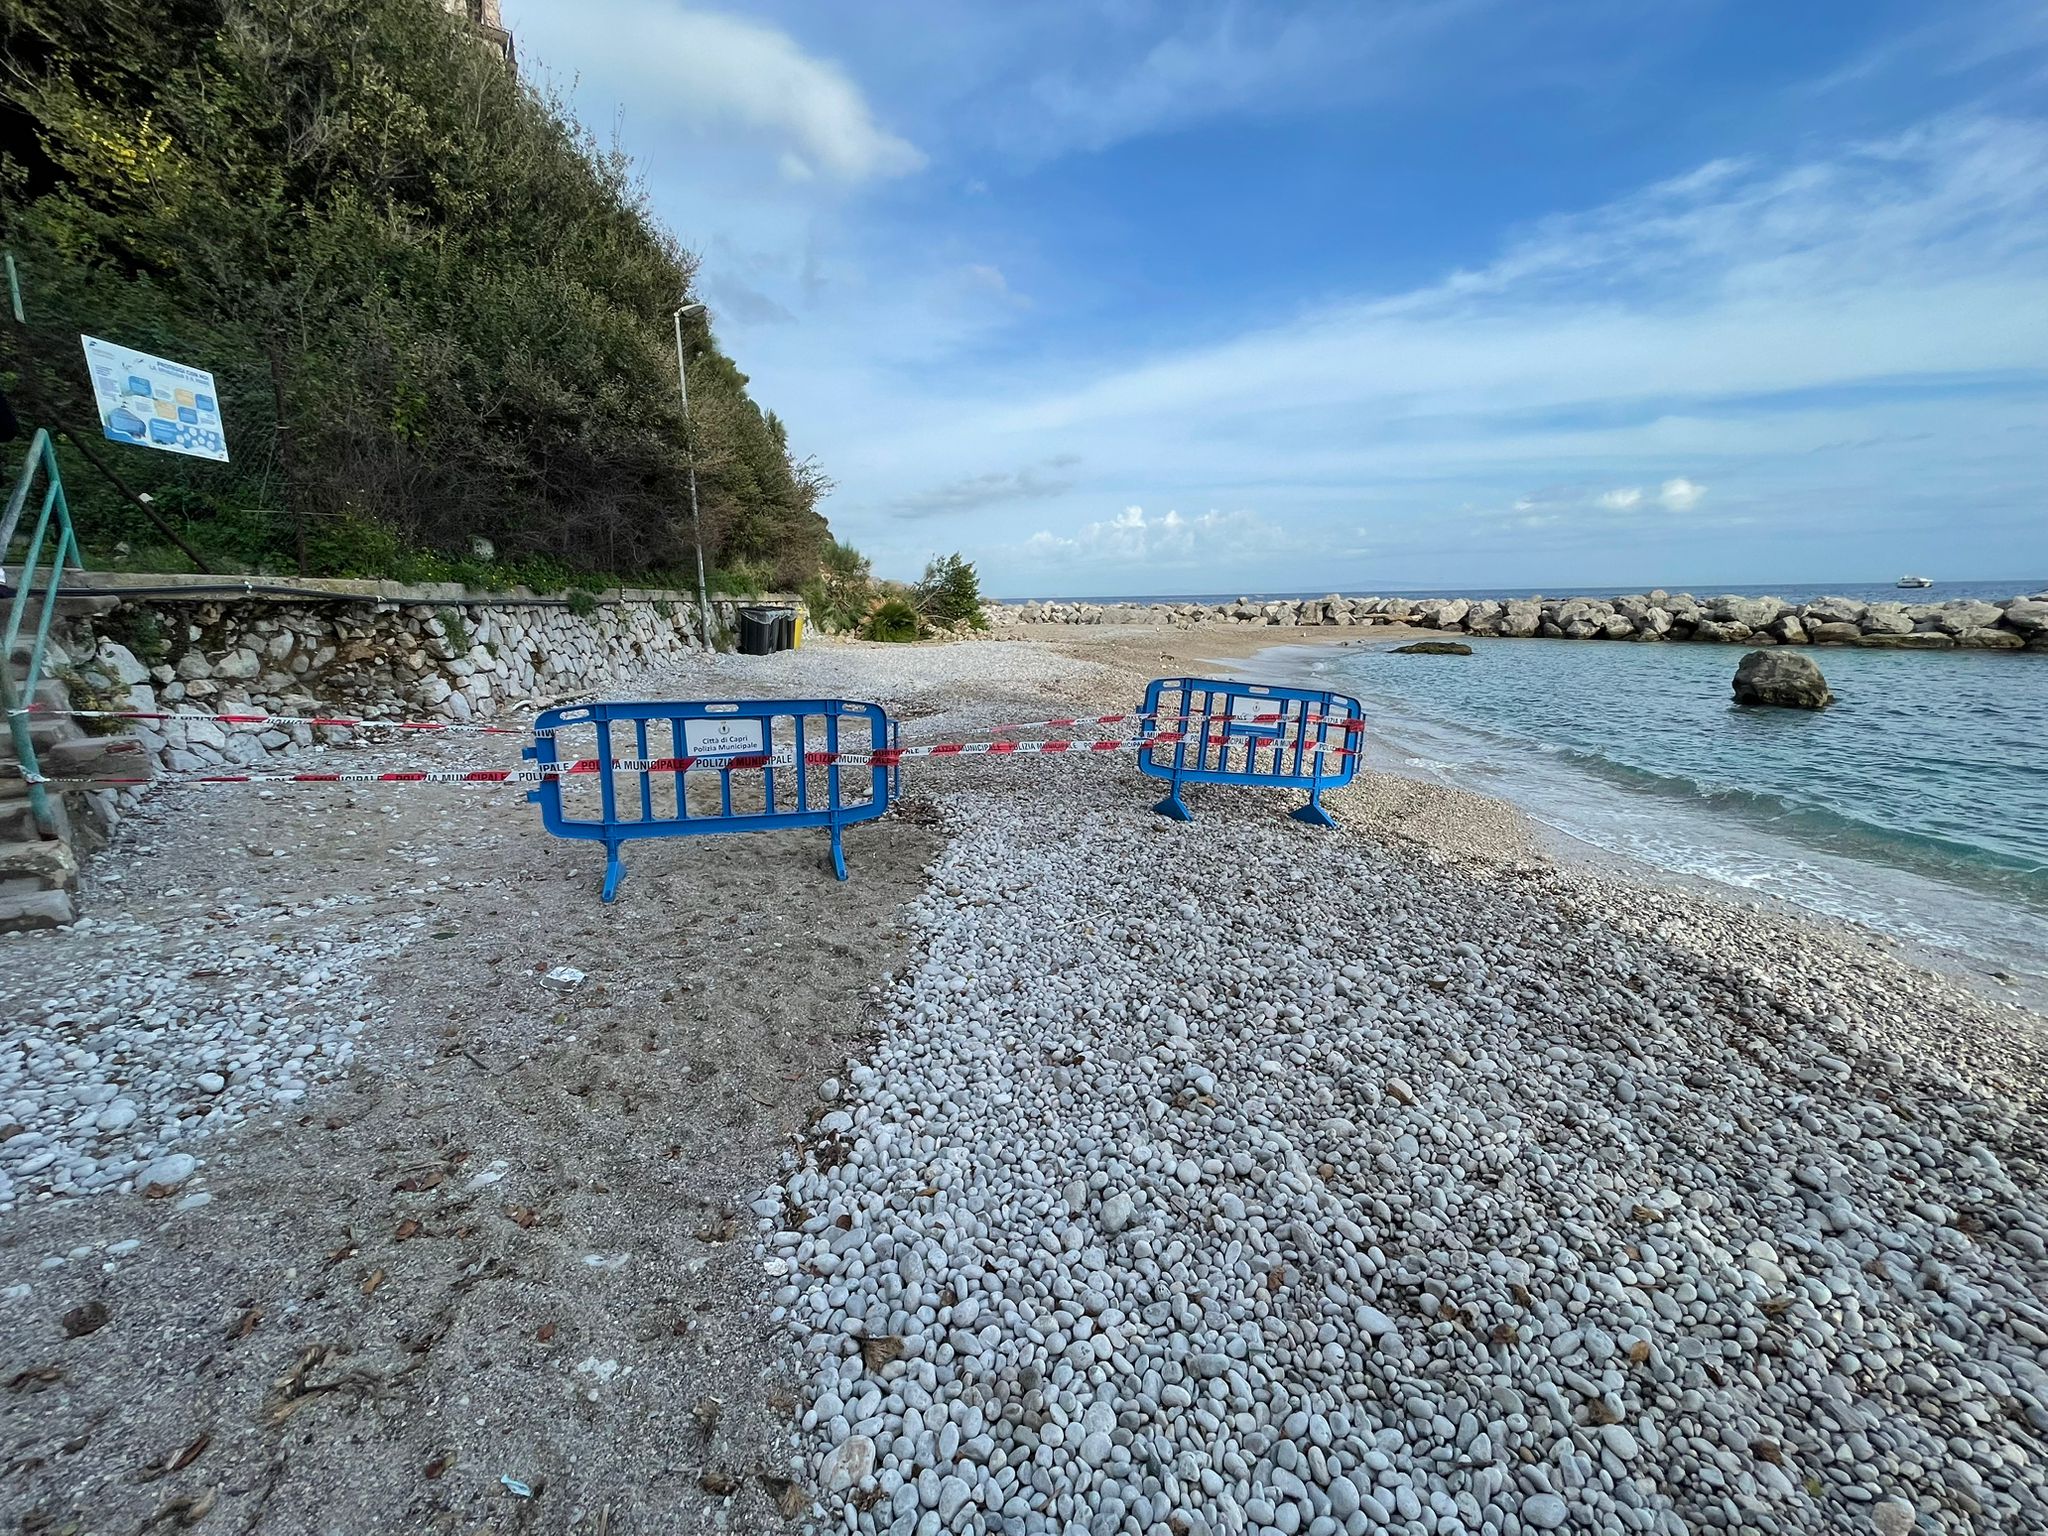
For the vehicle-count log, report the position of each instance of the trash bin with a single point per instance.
(785, 629)
(759, 631)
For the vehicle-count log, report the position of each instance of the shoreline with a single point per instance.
(1235, 650)
(1287, 1124)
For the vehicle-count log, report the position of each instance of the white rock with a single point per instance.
(166, 1174)
(846, 1466)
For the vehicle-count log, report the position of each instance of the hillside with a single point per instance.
(437, 312)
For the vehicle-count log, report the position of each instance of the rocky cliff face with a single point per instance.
(2019, 623)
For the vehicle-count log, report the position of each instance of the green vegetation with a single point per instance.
(455, 629)
(843, 591)
(894, 619)
(950, 593)
(741, 579)
(435, 310)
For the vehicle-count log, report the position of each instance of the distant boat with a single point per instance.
(1915, 581)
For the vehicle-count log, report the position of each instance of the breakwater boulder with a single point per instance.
(2017, 623)
(1433, 648)
(1783, 679)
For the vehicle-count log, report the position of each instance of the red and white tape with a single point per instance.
(887, 757)
(1349, 724)
(343, 722)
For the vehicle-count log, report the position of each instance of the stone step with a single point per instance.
(18, 823)
(45, 863)
(75, 607)
(24, 906)
(46, 734)
(54, 656)
(85, 757)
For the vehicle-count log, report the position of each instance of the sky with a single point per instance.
(1192, 296)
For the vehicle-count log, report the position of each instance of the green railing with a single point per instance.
(24, 597)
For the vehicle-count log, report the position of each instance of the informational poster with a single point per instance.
(155, 402)
(734, 738)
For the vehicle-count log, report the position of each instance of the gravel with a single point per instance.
(1237, 1178)
(143, 1038)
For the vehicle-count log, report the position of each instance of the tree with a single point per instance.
(949, 592)
(844, 590)
(435, 308)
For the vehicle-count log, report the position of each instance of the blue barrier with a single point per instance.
(1311, 740)
(774, 763)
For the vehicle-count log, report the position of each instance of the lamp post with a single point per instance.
(690, 453)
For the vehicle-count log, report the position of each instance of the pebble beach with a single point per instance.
(1229, 1177)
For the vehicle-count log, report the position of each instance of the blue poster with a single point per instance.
(155, 402)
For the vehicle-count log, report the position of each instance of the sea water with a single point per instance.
(1917, 803)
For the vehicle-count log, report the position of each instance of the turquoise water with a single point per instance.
(1918, 803)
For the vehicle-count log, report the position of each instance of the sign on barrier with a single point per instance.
(1251, 733)
(670, 769)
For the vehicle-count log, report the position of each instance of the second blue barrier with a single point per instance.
(1251, 733)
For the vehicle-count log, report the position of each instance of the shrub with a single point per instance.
(456, 628)
(950, 593)
(895, 620)
(140, 631)
(841, 593)
(582, 603)
(742, 578)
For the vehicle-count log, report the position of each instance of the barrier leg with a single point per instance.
(614, 870)
(1313, 813)
(1171, 806)
(838, 853)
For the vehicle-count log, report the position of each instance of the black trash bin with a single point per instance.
(785, 629)
(759, 631)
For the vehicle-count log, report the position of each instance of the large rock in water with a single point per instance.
(1433, 648)
(1783, 678)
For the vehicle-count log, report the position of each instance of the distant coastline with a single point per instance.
(2004, 622)
(1791, 591)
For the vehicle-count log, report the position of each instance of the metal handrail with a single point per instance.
(42, 455)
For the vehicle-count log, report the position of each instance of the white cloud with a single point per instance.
(1925, 253)
(1128, 71)
(1835, 335)
(1675, 495)
(1752, 321)
(1034, 482)
(1169, 541)
(1681, 495)
(717, 72)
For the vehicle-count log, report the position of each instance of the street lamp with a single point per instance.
(690, 453)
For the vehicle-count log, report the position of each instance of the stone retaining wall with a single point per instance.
(203, 647)
(2018, 623)
(454, 660)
